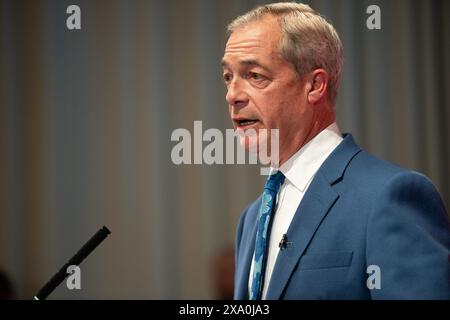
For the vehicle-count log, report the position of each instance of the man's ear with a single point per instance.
(318, 86)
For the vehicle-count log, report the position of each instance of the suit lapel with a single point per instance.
(310, 213)
(314, 207)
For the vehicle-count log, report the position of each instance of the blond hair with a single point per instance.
(309, 40)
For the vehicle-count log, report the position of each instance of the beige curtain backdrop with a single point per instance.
(86, 118)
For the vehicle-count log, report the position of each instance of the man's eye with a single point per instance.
(227, 77)
(256, 76)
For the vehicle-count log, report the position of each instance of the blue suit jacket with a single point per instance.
(358, 211)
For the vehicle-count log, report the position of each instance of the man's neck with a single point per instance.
(318, 126)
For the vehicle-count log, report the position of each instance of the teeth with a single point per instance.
(246, 122)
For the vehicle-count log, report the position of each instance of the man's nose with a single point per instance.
(236, 95)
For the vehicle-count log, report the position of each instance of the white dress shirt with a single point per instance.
(299, 171)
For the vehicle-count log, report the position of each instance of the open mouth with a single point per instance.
(246, 122)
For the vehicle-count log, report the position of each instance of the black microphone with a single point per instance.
(75, 260)
(283, 243)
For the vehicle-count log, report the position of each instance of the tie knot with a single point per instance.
(274, 181)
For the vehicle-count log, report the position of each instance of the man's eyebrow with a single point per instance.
(248, 62)
(251, 62)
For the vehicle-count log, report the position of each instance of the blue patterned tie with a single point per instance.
(262, 234)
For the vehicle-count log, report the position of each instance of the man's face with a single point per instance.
(264, 91)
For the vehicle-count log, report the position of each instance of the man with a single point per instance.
(333, 222)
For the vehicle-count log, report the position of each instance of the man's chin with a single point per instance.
(260, 144)
(254, 143)
(249, 143)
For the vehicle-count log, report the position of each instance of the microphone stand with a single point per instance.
(75, 260)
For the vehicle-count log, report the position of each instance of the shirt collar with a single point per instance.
(303, 165)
